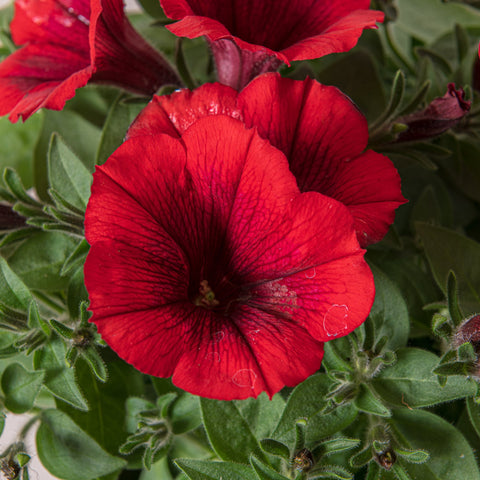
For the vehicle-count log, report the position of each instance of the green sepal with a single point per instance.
(334, 445)
(454, 368)
(35, 320)
(400, 472)
(416, 101)
(274, 447)
(413, 456)
(263, 471)
(396, 96)
(441, 326)
(368, 402)
(361, 458)
(442, 380)
(436, 59)
(76, 258)
(16, 236)
(449, 357)
(61, 329)
(22, 459)
(71, 356)
(95, 362)
(333, 472)
(452, 299)
(462, 41)
(165, 402)
(63, 204)
(15, 186)
(300, 427)
(466, 353)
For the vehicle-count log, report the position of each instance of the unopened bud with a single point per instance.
(386, 459)
(468, 332)
(442, 113)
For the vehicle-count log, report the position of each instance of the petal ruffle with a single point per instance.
(38, 76)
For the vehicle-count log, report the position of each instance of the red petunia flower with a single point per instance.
(68, 43)
(317, 127)
(206, 262)
(255, 36)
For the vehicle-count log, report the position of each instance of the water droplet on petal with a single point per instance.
(335, 320)
(245, 377)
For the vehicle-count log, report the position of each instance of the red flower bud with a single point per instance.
(442, 113)
(469, 331)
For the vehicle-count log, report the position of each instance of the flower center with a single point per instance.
(206, 297)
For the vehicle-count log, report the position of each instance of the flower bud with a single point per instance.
(468, 331)
(442, 113)
(386, 459)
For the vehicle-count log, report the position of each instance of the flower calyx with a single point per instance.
(153, 430)
(13, 462)
(460, 337)
(352, 368)
(82, 341)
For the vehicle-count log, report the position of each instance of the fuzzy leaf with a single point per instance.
(67, 452)
(205, 470)
(228, 431)
(411, 382)
(20, 387)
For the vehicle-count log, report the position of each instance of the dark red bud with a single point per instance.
(386, 459)
(303, 460)
(469, 331)
(442, 113)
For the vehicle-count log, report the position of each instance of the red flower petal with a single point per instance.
(319, 129)
(40, 76)
(68, 45)
(288, 29)
(207, 263)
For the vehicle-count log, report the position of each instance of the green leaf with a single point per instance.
(447, 250)
(263, 471)
(413, 456)
(76, 292)
(59, 379)
(74, 130)
(67, 452)
(411, 382)
(96, 363)
(13, 292)
(367, 402)
(450, 454)
(185, 413)
(16, 147)
(335, 445)
(432, 18)
(452, 298)
(307, 401)
(104, 421)
(273, 447)
(344, 72)
(262, 413)
(39, 260)
(389, 311)
(332, 472)
(120, 117)
(67, 174)
(473, 409)
(20, 387)
(204, 470)
(228, 431)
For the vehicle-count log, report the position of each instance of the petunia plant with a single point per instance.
(240, 240)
